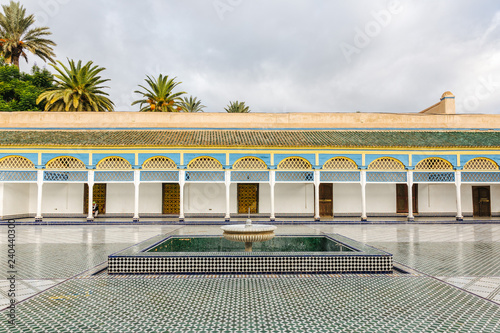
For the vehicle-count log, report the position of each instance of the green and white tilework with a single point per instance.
(461, 257)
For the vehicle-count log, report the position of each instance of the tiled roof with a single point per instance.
(252, 138)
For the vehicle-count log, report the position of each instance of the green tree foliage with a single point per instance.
(159, 97)
(19, 91)
(191, 104)
(77, 88)
(17, 35)
(237, 107)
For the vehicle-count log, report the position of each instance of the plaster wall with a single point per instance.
(62, 198)
(380, 198)
(16, 198)
(204, 198)
(495, 198)
(120, 198)
(244, 120)
(294, 198)
(150, 198)
(437, 198)
(346, 198)
(1, 199)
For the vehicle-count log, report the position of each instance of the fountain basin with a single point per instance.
(248, 233)
(328, 253)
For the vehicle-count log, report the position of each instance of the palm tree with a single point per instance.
(77, 88)
(159, 97)
(191, 105)
(237, 107)
(16, 36)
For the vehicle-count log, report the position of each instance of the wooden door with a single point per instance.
(325, 200)
(98, 196)
(171, 198)
(402, 198)
(248, 198)
(481, 201)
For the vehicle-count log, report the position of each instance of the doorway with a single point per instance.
(98, 196)
(481, 201)
(402, 198)
(248, 198)
(171, 198)
(326, 200)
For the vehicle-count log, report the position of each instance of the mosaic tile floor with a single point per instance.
(463, 257)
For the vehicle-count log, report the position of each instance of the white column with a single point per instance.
(410, 195)
(137, 183)
(316, 195)
(228, 187)
(182, 181)
(363, 195)
(458, 185)
(39, 182)
(272, 182)
(90, 216)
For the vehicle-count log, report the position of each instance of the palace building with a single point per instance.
(312, 165)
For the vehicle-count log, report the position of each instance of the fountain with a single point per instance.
(284, 254)
(248, 233)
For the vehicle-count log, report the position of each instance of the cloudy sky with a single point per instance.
(288, 55)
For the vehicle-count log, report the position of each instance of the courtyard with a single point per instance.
(448, 280)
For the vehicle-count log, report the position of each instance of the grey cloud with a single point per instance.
(286, 55)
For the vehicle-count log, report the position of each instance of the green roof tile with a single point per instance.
(253, 138)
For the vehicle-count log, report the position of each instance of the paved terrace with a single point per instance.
(454, 285)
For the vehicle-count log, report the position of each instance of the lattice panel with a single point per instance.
(204, 163)
(433, 163)
(67, 176)
(18, 176)
(151, 176)
(331, 176)
(66, 162)
(249, 176)
(304, 176)
(386, 163)
(114, 176)
(249, 163)
(160, 162)
(392, 177)
(294, 163)
(171, 199)
(490, 177)
(433, 177)
(205, 176)
(114, 163)
(16, 163)
(480, 163)
(340, 163)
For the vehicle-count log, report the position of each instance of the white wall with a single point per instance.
(150, 198)
(294, 198)
(120, 198)
(346, 198)
(204, 198)
(380, 198)
(495, 198)
(16, 198)
(466, 191)
(33, 197)
(1, 199)
(62, 198)
(437, 198)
